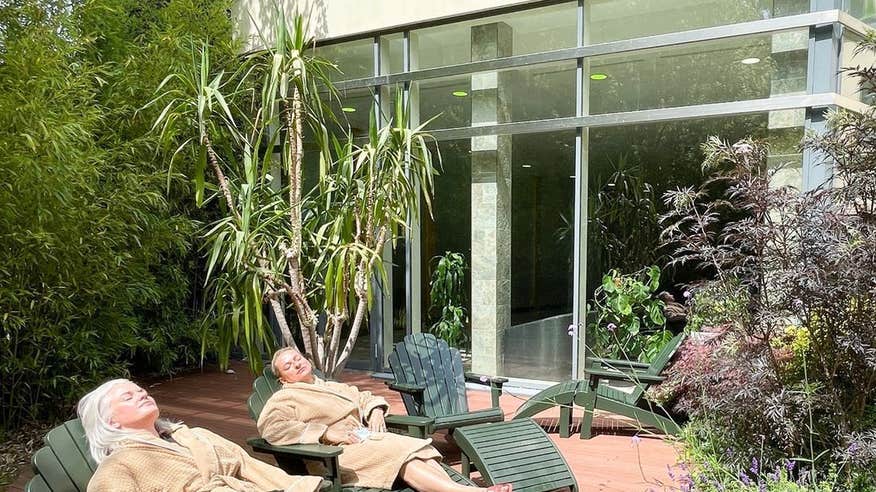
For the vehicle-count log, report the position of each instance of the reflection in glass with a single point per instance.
(864, 10)
(525, 94)
(752, 67)
(355, 59)
(853, 57)
(392, 53)
(530, 31)
(613, 20)
(631, 167)
(536, 344)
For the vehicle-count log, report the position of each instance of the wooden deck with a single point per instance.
(608, 462)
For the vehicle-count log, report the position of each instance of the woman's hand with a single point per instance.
(343, 432)
(376, 422)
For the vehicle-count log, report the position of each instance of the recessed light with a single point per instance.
(572, 177)
(459, 93)
(598, 76)
(750, 61)
(348, 109)
(526, 166)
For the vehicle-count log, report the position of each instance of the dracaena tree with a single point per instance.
(275, 243)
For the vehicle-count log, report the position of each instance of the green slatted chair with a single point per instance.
(429, 376)
(591, 395)
(291, 458)
(64, 464)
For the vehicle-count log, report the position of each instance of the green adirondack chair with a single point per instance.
(429, 376)
(65, 464)
(291, 458)
(591, 395)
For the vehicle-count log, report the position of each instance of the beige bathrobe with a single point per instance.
(302, 412)
(198, 461)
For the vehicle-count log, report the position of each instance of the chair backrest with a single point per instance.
(65, 463)
(262, 388)
(425, 360)
(659, 363)
(665, 355)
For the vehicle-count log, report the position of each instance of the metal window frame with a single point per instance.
(818, 97)
(767, 26)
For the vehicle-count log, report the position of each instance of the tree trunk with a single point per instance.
(280, 314)
(220, 176)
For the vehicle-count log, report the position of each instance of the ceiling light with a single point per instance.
(526, 166)
(460, 93)
(598, 76)
(750, 61)
(348, 109)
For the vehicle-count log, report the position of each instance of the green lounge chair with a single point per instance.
(65, 464)
(291, 458)
(591, 395)
(429, 376)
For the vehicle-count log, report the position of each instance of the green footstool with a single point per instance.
(519, 452)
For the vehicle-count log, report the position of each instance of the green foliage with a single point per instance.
(447, 298)
(96, 275)
(627, 319)
(709, 467)
(272, 244)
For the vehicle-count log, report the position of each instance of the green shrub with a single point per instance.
(627, 318)
(447, 298)
(96, 272)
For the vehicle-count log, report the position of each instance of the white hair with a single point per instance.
(94, 412)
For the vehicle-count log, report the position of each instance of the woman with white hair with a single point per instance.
(309, 410)
(137, 451)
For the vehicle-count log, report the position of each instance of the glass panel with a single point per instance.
(524, 94)
(613, 20)
(626, 182)
(514, 234)
(851, 58)
(537, 344)
(737, 69)
(518, 33)
(353, 111)
(355, 59)
(864, 10)
(392, 53)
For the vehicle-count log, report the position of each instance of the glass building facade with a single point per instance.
(560, 126)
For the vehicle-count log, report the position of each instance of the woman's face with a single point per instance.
(292, 367)
(131, 407)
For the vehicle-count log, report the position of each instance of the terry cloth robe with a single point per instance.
(300, 413)
(198, 461)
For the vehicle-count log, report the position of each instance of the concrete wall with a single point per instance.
(340, 18)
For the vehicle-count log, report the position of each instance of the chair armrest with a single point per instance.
(305, 451)
(596, 374)
(290, 456)
(495, 383)
(411, 425)
(620, 364)
(406, 388)
(485, 380)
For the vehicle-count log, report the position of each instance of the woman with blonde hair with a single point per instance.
(137, 451)
(309, 410)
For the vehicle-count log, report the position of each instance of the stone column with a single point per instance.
(490, 202)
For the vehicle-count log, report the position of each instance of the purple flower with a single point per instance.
(611, 327)
(790, 465)
(755, 466)
(744, 479)
(687, 294)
